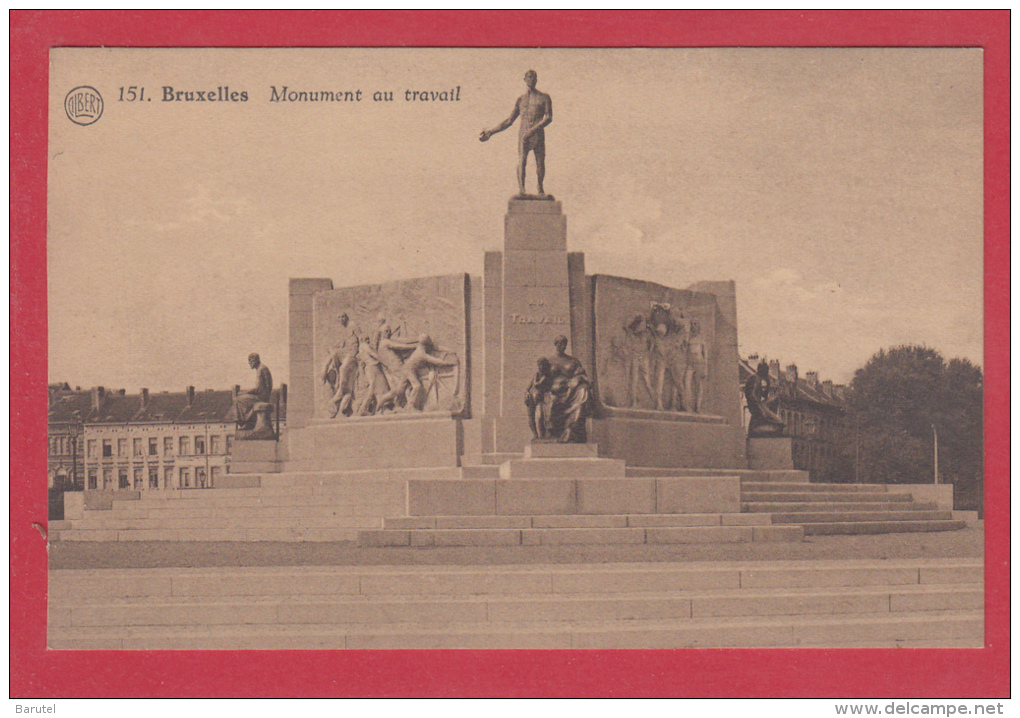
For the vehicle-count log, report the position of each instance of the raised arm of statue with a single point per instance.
(486, 134)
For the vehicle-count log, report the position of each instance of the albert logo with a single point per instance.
(83, 105)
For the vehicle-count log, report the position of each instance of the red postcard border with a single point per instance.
(36, 672)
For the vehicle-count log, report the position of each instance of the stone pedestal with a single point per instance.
(544, 460)
(773, 453)
(534, 307)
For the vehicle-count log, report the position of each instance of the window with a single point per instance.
(200, 477)
(230, 443)
(214, 444)
(168, 477)
(122, 447)
(61, 445)
(138, 478)
(185, 446)
(168, 446)
(199, 444)
(93, 479)
(107, 479)
(107, 447)
(214, 475)
(122, 479)
(153, 477)
(185, 477)
(90, 448)
(153, 446)
(137, 447)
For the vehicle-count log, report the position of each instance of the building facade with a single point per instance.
(814, 412)
(65, 455)
(146, 441)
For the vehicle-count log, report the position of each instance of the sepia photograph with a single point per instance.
(533, 349)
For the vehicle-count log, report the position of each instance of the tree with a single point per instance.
(897, 398)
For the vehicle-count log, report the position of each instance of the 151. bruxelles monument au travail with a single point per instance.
(532, 406)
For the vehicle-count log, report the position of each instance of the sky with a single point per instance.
(840, 188)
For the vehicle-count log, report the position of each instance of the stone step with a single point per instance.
(802, 517)
(952, 627)
(423, 538)
(240, 535)
(342, 610)
(491, 459)
(783, 476)
(556, 450)
(558, 468)
(76, 587)
(479, 471)
(879, 527)
(776, 507)
(401, 461)
(575, 521)
(319, 477)
(795, 487)
(293, 507)
(824, 496)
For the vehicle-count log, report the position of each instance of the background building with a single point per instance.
(814, 412)
(112, 440)
(65, 456)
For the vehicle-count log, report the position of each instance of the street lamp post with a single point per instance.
(74, 432)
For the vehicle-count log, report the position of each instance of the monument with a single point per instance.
(439, 364)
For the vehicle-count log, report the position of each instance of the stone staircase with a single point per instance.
(543, 497)
(825, 509)
(563, 494)
(574, 529)
(789, 498)
(872, 603)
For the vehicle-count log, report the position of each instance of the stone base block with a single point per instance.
(231, 481)
(939, 494)
(382, 442)
(465, 497)
(103, 500)
(698, 495)
(253, 457)
(555, 450)
(770, 453)
(523, 498)
(642, 441)
(567, 496)
(562, 469)
(615, 496)
(74, 505)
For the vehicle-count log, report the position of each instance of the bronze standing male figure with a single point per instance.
(535, 110)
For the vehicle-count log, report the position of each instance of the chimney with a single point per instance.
(145, 399)
(121, 392)
(791, 373)
(235, 391)
(774, 369)
(191, 396)
(98, 393)
(812, 379)
(827, 388)
(752, 359)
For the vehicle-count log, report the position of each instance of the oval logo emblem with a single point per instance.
(83, 105)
